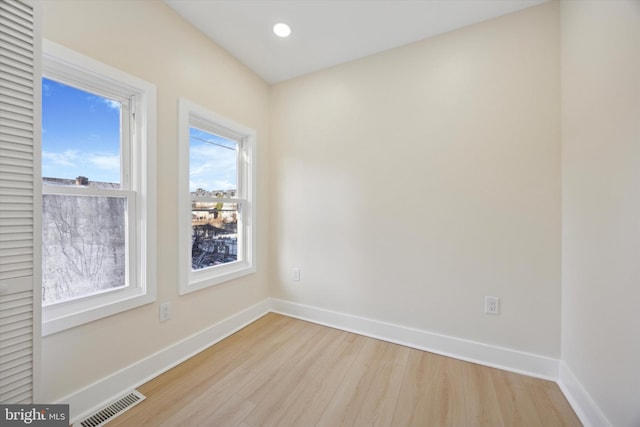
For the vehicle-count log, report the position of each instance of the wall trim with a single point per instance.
(471, 351)
(89, 399)
(580, 400)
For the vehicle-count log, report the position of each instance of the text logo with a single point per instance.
(34, 415)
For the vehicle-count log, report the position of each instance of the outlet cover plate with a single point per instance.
(165, 311)
(492, 305)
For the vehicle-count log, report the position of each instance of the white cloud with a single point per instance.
(97, 100)
(66, 158)
(105, 162)
(71, 163)
(212, 168)
(115, 105)
(46, 89)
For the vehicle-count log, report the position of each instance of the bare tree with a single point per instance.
(84, 245)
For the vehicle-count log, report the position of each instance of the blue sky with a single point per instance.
(212, 161)
(81, 136)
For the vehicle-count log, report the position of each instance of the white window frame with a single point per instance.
(138, 185)
(193, 115)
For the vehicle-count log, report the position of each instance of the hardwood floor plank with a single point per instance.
(410, 404)
(343, 408)
(281, 371)
(381, 385)
(481, 402)
(514, 400)
(551, 405)
(288, 382)
(446, 400)
(269, 368)
(232, 413)
(316, 396)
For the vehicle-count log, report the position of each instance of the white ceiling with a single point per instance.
(329, 32)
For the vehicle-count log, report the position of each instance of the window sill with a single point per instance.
(205, 278)
(59, 318)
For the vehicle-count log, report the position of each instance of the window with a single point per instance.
(98, 195)
(217, 209)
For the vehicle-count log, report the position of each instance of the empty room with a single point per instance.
(320, 212)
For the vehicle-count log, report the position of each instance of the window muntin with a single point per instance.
(105, 194)
(217, 223)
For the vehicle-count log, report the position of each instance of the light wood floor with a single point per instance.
(280, 371)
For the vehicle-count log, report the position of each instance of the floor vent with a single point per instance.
(113, 410)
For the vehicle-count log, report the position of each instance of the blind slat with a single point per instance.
(15, 84)
(12, 142)
(17, 79)
(13, 30)
(17, 322)
(21, 10)
(18, 389)
(12, 364)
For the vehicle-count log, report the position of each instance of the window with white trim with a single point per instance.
(217, 207)
(98, 190)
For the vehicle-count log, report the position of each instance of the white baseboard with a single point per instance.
(584, 406)
(484, 354)
(86, 401)
(94, 397)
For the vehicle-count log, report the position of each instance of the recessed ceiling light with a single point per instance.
(282, 30)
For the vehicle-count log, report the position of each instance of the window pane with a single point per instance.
(83, 246)
(80, 135)
(214, 234)
(213, 167)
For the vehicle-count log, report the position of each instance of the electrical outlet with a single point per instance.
(165, 311)
(296, 274)
(491, 305)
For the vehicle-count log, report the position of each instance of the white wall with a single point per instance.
(601, 203)
(147, 39)
(408, 185)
